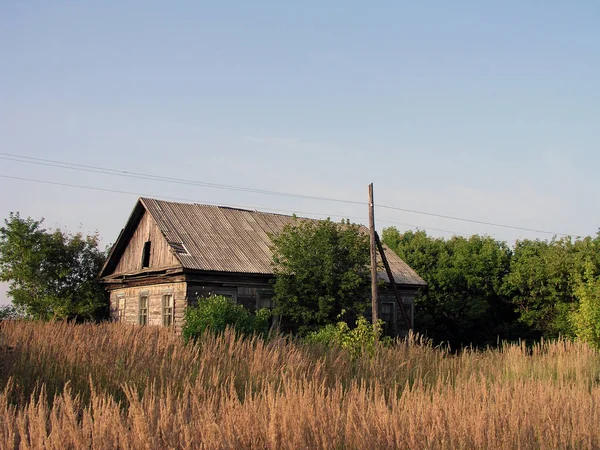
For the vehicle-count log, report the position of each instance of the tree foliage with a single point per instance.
(51, 274)
(586, 319)
(480, 289)
(541, 281)
(320, 269)
(463, 303)
(8, 312)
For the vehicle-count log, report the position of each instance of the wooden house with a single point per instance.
(170, 254)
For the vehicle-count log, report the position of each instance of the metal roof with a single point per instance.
(223, 239)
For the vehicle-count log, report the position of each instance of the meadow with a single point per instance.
(110, 386)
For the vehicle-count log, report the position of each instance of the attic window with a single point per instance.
(146, 255)
(178, 247)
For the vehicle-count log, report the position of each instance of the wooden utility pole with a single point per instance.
(374, 299)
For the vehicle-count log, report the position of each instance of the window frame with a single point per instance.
(170, 314)
(121, 305)
(265, 294)
(143, 295)
(391, 312)
(225, 292)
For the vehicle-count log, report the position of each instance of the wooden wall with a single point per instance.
(161, 254)
(155, 293)
(408, 296)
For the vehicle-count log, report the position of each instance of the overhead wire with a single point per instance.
(188, 200)
(140, 175)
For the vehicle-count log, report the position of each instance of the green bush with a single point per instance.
(216, 313)
(361, 339)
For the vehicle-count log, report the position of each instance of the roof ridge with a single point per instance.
(232, 208)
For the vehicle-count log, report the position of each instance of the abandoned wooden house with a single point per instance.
(170, 254)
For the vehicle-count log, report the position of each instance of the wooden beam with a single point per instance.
(392, 282)
(374, 299)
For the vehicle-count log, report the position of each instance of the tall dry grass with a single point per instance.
(111, 386)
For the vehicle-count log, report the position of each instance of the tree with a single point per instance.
(463, 303)
(8, 312)
(321, 268)
(539, 284)
(586, 319)
(479, 288)
(543, 278)
(51, 274)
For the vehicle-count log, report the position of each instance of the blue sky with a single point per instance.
(471, 109)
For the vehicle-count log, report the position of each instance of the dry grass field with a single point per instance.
(111, 386)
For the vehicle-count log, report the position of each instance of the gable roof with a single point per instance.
(223, 239)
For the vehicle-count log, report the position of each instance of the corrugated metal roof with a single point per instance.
(224, 239)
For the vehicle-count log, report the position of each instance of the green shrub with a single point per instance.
(361, 339)
(216, 313)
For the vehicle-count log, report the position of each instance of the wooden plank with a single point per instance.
(160, 250)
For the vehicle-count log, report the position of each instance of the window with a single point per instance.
(387, 311)
(167, 310)
(408, 309)
(121, 309)
(146, 255)
(264, 299)
(229, 293)
(143, 310)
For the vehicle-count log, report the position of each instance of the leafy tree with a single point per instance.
(542, 281)
(9, 312)
(51, 274)
(539, 284)
(479, 288)
(320, 269)
(463, 303)
(586, 319)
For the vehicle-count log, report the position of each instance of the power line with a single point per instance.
(139, 175)
(138, 194)
(480, 222)
(145, 176)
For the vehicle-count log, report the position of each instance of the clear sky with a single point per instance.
(471, 109)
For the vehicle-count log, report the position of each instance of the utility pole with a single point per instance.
(374, 299)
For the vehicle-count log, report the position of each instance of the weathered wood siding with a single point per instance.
(161, 254)
(395, 315)
(155, 293)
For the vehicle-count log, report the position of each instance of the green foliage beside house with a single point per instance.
(321, 268)
(51, 274)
